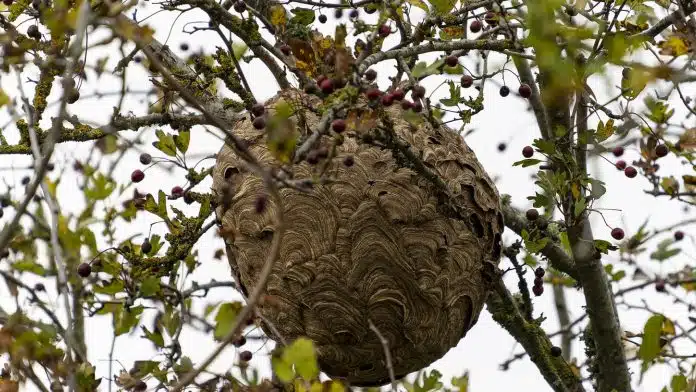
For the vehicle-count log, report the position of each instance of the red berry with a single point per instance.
(617, 151)
(539, 272)
(527, 151)
(387, 100)
(678, 235)
(617, 233)
(451, 61)
(476, 26)
(398, 94)
(327, 86)
(320, 79)
(373, 93)
(406, 105)
(525, 91)
(538, 290)
(660, 286)
(467, 81)
(661, 151)
(84, 270)
(417, 107)
(620, 164)
(630, 172)
(137, 175)
(177, 191)
(338, 125)
(384, 31)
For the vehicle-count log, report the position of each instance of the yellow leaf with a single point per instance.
(278, 16)
(604, 131)
(4, 99)
(668, 327)
(575, 190)
(673, 46)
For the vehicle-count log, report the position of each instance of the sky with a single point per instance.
(507, 120)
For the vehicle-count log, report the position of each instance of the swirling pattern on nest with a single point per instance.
(372, 244)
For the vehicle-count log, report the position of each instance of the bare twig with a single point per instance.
(387, 354)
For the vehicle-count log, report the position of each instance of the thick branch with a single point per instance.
(532, 337)
(558, 257)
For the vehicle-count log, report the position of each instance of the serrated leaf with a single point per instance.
(182, 140)
(150, 286)
(604, 131)
(442, 7)
(155, 337)
(303, 16)
(165, 143)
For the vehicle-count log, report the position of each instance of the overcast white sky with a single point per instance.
(505, 119)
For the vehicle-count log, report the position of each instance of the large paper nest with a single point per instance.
(374, 244)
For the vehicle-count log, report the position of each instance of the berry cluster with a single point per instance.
(538, 288)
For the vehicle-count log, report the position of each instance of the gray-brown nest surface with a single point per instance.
(372, 244)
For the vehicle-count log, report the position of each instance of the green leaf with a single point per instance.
(143, 368)
(150, 286)
(182, 140)
(650, 347)
(165, 143)
(679, 383)
(535, 246)
(303, 16)
(422, 69)
(663, 252)
(29, 266)
(282, 369)
(239, 49)
(155, 337)
(224, 319)
(579, 207)
(302, 354)
(455, 95)
(101, 187)
(442, 7)
(126, 318)
(604, 132)
(545, 146)
(527, 162)
(420, 4)
(598, 189)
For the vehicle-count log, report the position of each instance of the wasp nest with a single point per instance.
(372, 244)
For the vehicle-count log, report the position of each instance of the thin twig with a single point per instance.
(387, 354)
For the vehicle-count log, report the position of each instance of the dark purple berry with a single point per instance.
(451, 61)
(145, 158)
(539, 272)
(504, 91)
(527, 151)
(338, 125)
(84, 270)
(617, 151)
(617, 233)
(556, 351)
(620, 164)
(476, 26)
(258, 110)
(322, 18)
(259, 123)
(678, 235)
(661, 151)
(630, 172)
(525, 91)
(532, 214)
(245, 356)
(137, 175)
(467, 81)
(538, 290)
(370, 75)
